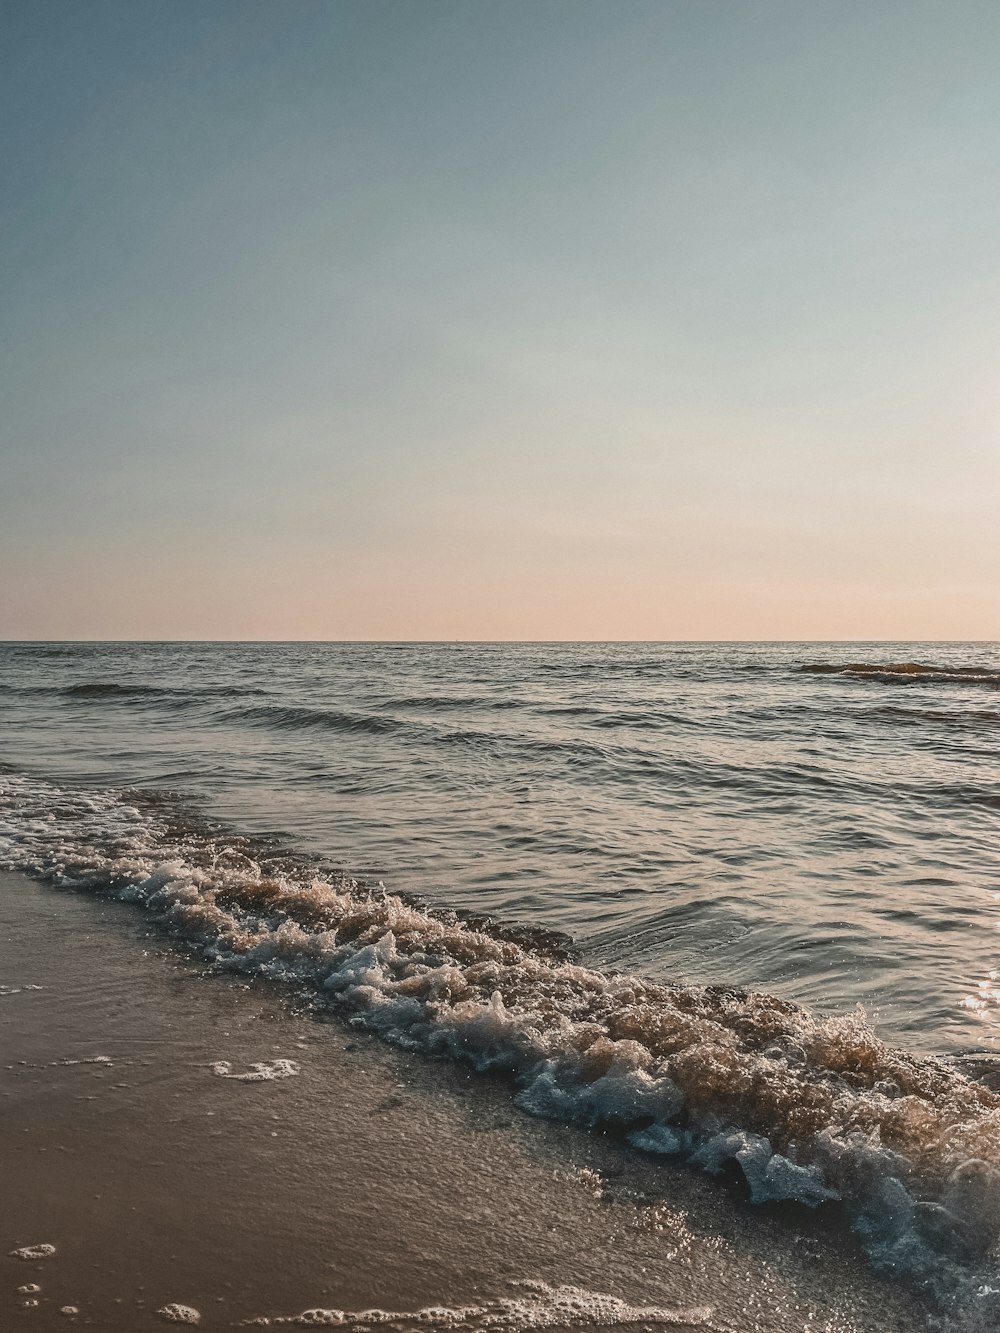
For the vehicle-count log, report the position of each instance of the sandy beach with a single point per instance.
(369, 1179)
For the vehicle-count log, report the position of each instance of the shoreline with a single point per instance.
(372, 1178)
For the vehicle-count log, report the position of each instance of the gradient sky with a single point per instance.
(486, 319)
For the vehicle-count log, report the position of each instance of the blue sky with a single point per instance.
(543, 319)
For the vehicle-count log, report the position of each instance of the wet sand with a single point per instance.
(370, 1178)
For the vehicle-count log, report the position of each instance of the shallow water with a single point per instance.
(697, 857)
(700, 812)
(371, 1178)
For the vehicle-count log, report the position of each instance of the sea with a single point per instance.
(737, 901)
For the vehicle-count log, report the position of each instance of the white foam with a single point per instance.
(43, 1251)
(265, 1071)
(175, 1313)
(536, 1306)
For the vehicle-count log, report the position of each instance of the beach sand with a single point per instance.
(371, 1178)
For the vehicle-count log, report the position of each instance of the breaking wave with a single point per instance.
(817, 1110)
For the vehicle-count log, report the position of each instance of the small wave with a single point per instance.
(103, 689)
(113, 691)
(90, 689)
(287, 717)
(656, 666)
(34, 650)
(612, 719)
(817, 1110)
(902, 672)
(967, 717)
(448, 703)
(302, 718)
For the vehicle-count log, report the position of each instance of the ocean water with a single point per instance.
(738, 900)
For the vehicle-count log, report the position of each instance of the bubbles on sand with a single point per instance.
(42, 1251)
(103, 1061)
(591, 1181)
(175, 1313)
(266, 1071)
(536, 1305)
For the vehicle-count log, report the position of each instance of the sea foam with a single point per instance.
(812, 1109)
(535, 1305)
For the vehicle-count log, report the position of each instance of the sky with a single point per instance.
(499, 319)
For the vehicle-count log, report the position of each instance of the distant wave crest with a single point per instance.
(902, 672)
